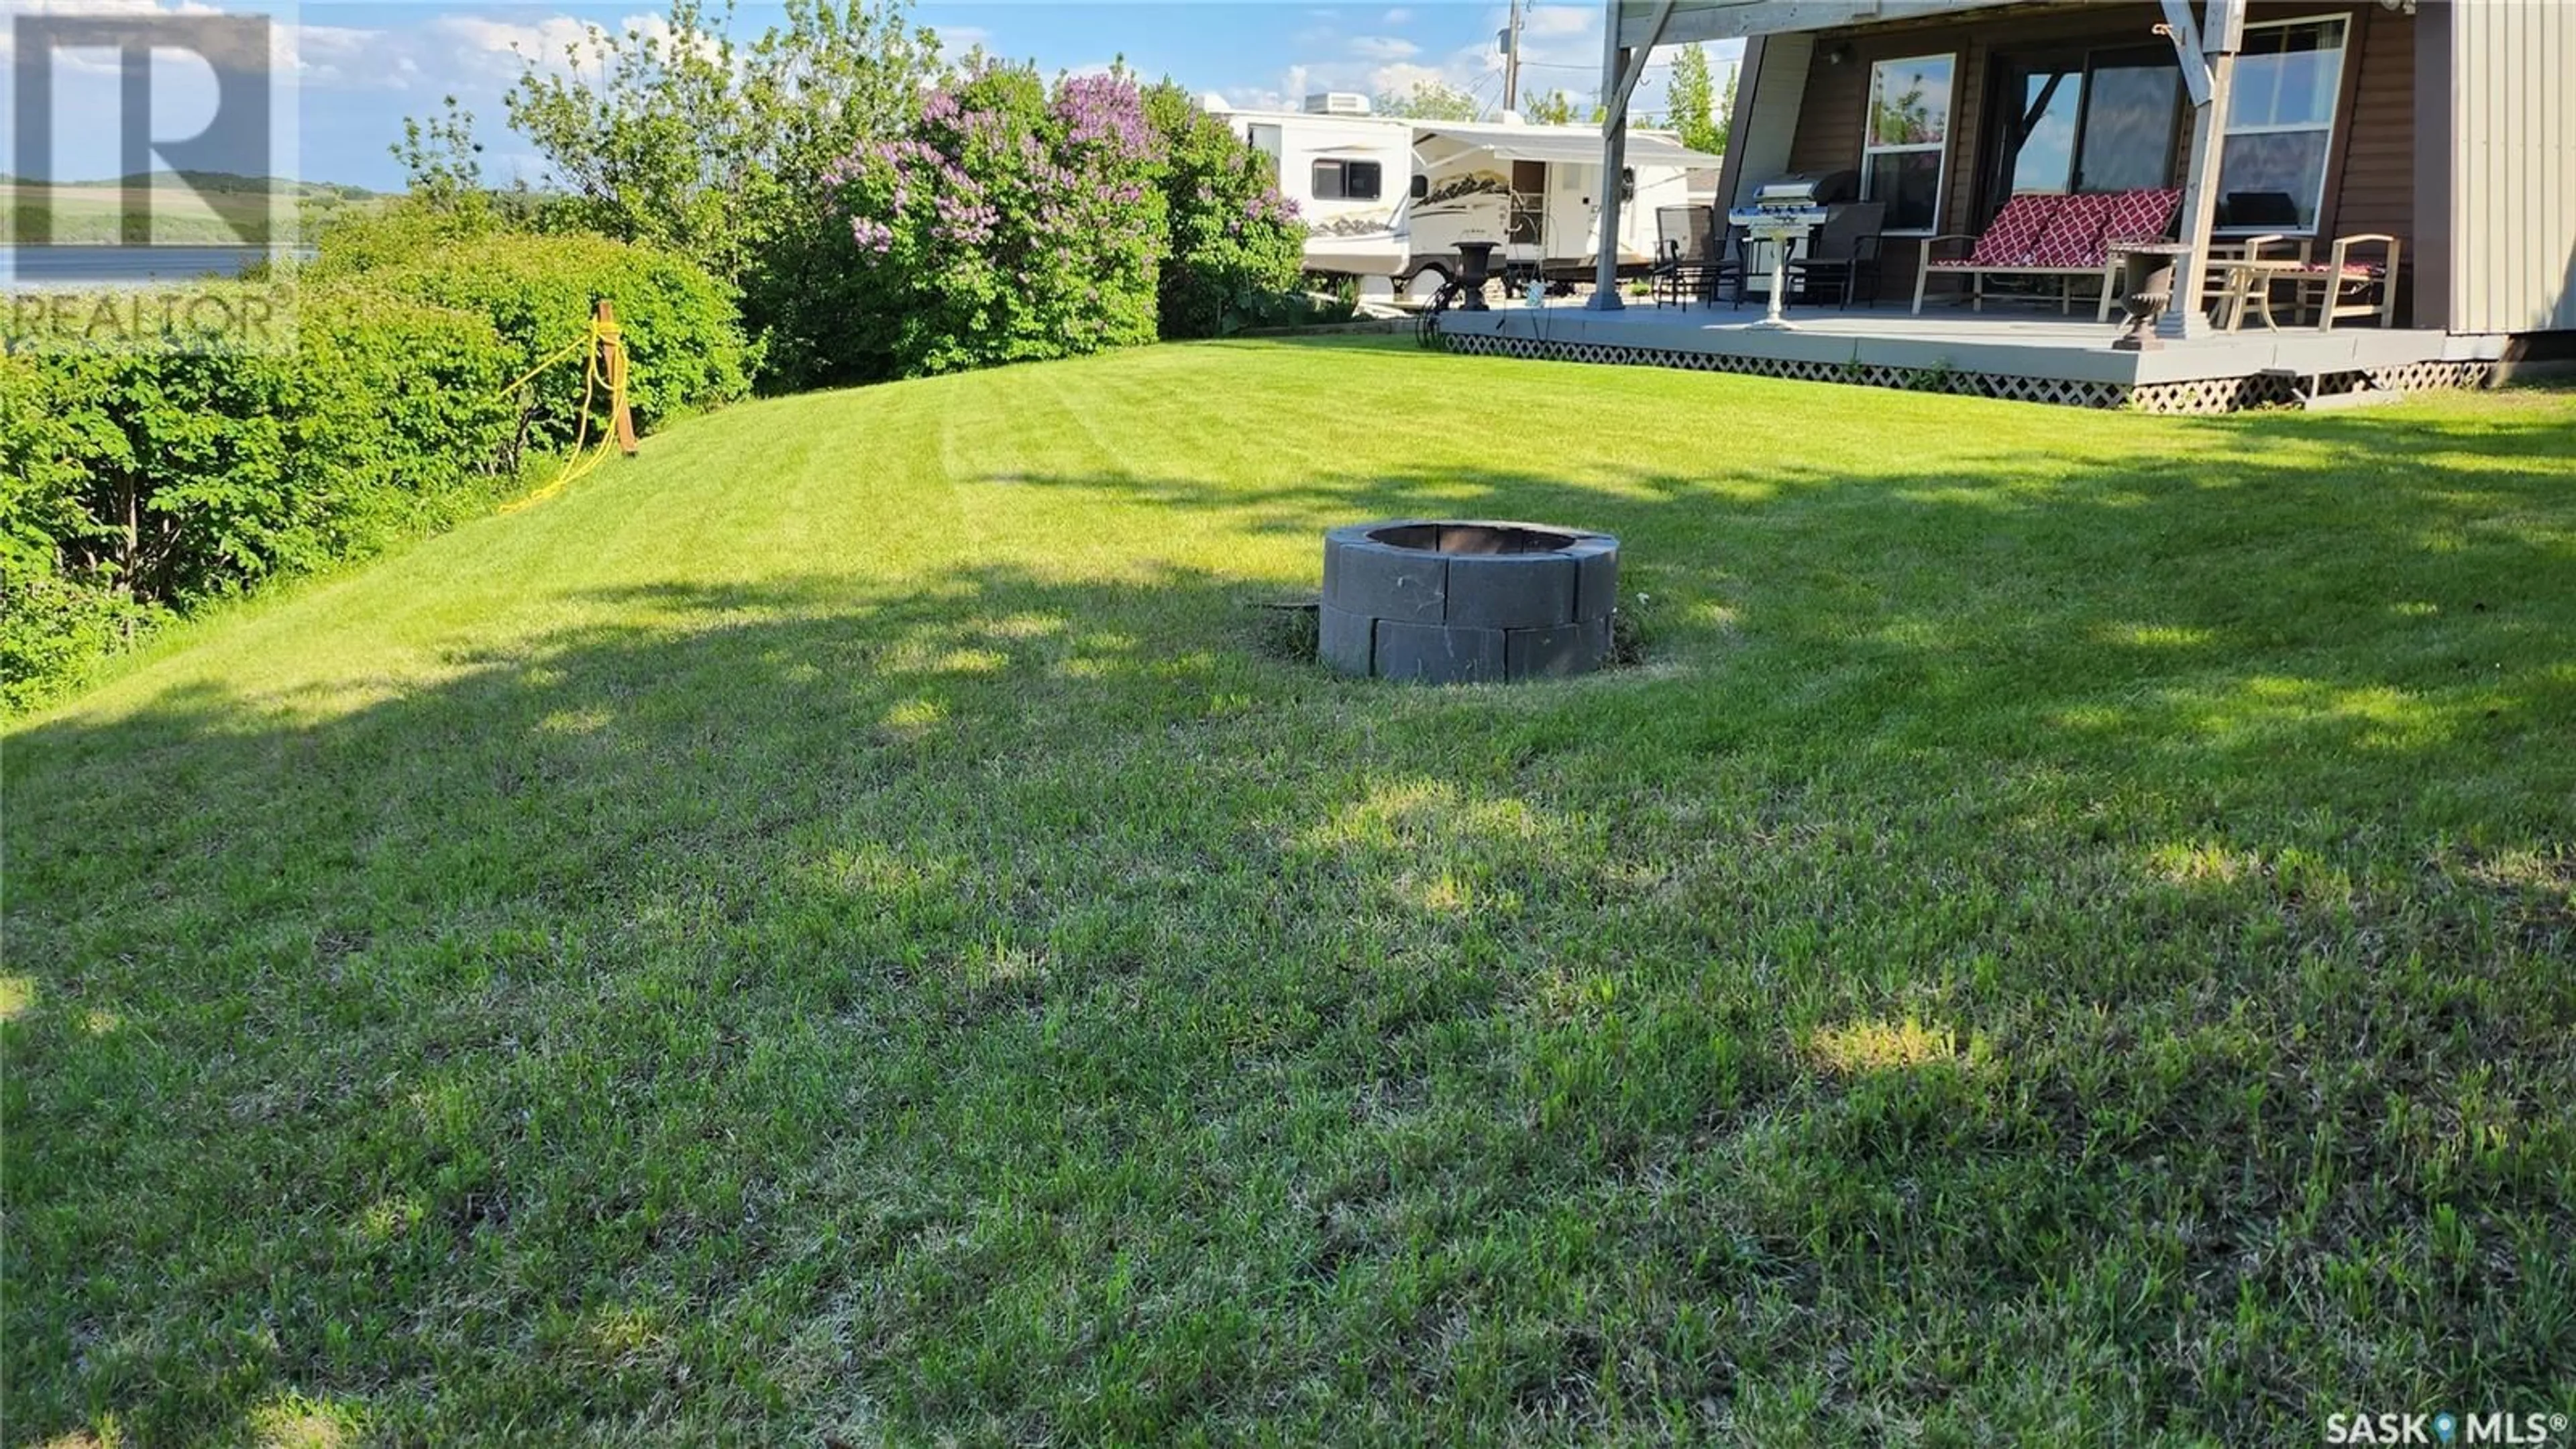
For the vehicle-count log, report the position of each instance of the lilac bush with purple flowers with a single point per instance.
(1013, 223)
(1237, 252)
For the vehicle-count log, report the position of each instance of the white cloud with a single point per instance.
(957, 40)
(1400, 78)
(339, 55)
(1542, 21)
(505, 48)
(1383, 47)
(1454, 46)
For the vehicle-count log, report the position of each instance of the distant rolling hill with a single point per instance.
(187, 209)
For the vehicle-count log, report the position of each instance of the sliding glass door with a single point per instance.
(2037, 105)
(2079, 120)
(2132, 115)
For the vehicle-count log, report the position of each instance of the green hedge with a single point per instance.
(53, 624)
(147, 482)
(683, 338)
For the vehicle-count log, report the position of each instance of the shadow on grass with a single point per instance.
(2066, 956)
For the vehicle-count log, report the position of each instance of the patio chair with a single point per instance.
(2342, 287)
(1732, 259)
(1844, 252)
(1685, 248)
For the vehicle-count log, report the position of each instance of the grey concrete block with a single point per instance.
(1596, 577)
(1438, 654)
(1576, 648)
(1510, 591)
(1345, 641)
(1384, 582)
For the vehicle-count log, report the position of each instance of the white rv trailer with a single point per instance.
(1389, 197)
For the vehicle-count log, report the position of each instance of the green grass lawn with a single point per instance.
(850, 927)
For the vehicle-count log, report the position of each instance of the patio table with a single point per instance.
(2249, 280)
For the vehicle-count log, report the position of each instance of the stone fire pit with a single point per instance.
(1454, 600)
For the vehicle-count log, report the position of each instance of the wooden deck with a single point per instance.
(2022, 353)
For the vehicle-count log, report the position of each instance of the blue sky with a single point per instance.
(362, 66)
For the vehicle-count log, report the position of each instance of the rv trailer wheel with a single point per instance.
(1426, 280)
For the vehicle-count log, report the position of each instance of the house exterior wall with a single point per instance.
(1771, 92)
(2513, 173)
(2370, 166)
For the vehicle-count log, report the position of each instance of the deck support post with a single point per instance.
(2207, 53)
(1620, 68)
(1605, 270)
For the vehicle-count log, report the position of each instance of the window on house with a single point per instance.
(2280, 124)
(1904, 149)
(1346, 181)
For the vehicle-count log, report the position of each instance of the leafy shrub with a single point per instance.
(182, 468)
(194, 473)
(39, 487)
(683, 340)
(1014, 223)
(1235, 245)
(403, 422)
(149, 481)
(675, 134)
(145, 482)
(409, 228)
(54, 630)
(53, 623)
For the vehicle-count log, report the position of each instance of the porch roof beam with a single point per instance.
(2184, 32)
(1630, 65)
(1697, 20)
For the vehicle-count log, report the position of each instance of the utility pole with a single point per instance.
(1512, 60)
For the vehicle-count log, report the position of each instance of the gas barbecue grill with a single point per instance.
(1782, 213)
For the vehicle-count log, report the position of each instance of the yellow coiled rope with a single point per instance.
(606, 368)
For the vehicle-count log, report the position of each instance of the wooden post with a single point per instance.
(1620, 68)
(1605, 268)
(613, 344)
(2207, 54)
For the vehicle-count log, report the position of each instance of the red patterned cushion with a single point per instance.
(2073, 238)
(2350, 269)
(2140, 216)
(2009, 236)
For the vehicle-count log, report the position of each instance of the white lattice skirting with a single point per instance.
(2212, 395)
